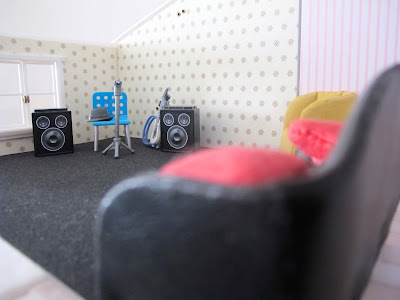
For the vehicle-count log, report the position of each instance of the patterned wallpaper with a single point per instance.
(86, 69)
(236, 60)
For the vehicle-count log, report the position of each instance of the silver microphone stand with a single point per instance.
(117, 140)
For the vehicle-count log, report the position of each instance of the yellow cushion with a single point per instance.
(334, 106)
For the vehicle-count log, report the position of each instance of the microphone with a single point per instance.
(117, 88)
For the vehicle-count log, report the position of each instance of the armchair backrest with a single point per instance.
(334, 106)
(314, 237)
(360, 189)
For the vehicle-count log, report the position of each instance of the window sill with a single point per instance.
(15, 133)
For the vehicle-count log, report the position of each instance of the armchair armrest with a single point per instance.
(296, 107)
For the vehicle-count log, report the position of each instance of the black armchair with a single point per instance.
(310, 237)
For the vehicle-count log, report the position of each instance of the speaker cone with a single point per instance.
(168, 119)
(42, 122)
(184, 119)
(61, 121)
(53, 139)
(177, 137)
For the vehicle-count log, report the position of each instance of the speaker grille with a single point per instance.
(180, 129)
(53, 139)
(61, 121)
(177, 137)
(43, 122)
(184, 119)
(52, 131)
(168, 120)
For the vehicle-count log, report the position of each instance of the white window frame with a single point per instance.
(57, 61)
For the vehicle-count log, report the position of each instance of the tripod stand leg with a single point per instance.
(127, 136)
(108, 148)
(127, 147)
(116, 147)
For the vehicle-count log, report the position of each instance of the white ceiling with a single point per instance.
(80, 21)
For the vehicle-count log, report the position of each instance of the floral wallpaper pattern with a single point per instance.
(87, 69)
(236, 60)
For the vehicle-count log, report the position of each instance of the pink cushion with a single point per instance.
(235, 166)
(315, 138)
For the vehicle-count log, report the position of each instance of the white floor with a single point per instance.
(385, 279)
(23, 279)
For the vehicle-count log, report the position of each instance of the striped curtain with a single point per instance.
(346, 43)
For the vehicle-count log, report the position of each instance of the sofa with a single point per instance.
(334, 106)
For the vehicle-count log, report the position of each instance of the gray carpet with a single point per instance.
(48, 204)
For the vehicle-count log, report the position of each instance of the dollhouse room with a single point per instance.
(255, 153)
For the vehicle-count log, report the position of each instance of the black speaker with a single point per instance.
(52, 131)
(180, 128)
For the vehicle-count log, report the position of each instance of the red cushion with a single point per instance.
(237, 166)
(315, 138)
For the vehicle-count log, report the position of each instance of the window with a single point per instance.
(27, 83)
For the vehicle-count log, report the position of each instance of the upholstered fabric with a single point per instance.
(315, 138)
(253, 166)
(334, 106)
(314, 237)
